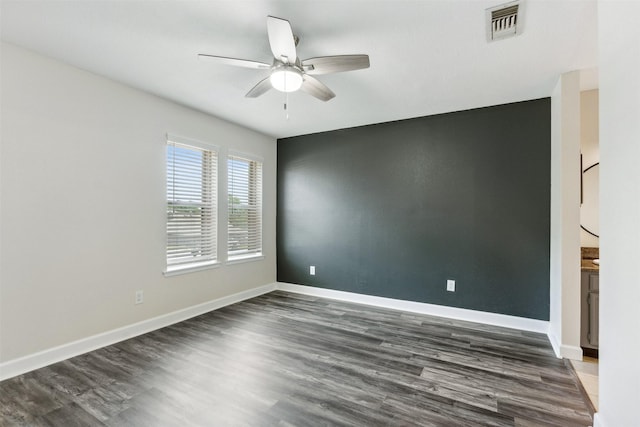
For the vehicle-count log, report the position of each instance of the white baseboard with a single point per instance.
(562, 350)
(43, 358)
(554, 343)
(597, 420)
(571, 352)
(30, 362)
(504, 320)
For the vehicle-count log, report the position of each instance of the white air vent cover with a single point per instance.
(504, 21)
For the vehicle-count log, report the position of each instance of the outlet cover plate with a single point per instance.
(451, 285)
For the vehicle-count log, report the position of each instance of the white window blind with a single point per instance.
(245, 207)
(191, 205)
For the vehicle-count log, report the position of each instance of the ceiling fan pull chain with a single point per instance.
(286, 105)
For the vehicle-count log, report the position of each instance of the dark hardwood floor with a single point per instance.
(291, 360)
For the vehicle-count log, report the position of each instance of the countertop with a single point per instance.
(588, 265)
(587, 255)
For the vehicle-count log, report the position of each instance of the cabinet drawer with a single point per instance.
(594, 282)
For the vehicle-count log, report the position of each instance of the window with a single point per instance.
(245, 208)
(191, 204)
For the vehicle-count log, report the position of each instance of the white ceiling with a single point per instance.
(427, 57)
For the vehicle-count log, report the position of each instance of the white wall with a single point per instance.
(564, 315)
(83, 205)
(590, 149)
(589, 127)
(619, 41)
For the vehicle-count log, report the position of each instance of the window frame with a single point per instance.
(188, 267)
(258, 254)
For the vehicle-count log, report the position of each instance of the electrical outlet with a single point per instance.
(139, 297)
(312, 270)
(451, 285)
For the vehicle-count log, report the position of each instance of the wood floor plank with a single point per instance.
(285, 359)
(70, 415)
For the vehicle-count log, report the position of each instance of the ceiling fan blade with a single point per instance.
(281, 40)
(233, 61)
(315, 87)
(263, 86)
(335, 64)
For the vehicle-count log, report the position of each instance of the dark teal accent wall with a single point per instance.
(395, 209)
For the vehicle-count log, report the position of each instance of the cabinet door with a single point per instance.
(594, 310)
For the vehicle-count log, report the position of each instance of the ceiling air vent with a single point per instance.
(504, 21)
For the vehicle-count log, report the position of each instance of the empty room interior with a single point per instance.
(301, 213)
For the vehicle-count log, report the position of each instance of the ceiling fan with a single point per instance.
(288, 72)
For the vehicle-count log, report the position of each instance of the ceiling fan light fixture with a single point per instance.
(286, 79)
(287, 72)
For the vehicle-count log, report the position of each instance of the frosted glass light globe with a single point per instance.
(286, 79)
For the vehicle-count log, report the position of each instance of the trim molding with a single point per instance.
(597, 420)
(47, 357)
(571, 352)
(562, 350)
(504, 320)
(554, 343)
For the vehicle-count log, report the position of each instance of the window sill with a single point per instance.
(176, 271)
(245, 258)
